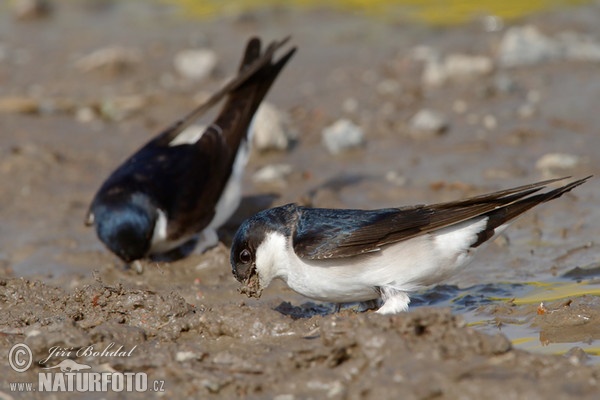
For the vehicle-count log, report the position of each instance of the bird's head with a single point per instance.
(258, 246)
(126, 227)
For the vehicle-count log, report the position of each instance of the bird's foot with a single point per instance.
(394, 301)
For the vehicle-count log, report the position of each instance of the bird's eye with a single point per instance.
(245, 256)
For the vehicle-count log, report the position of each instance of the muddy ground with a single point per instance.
(64, 128)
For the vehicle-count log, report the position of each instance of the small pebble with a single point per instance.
(18, 105)
(395, 178)
(454, 67)
(526, 110)
(271, 129)
(112, 58)
(274, 173)
(552, 164)
(490, 122)
(196, 64)
(182, 356)
(427, 123)
(211, 385)
(526, 45)
(342, 135)
(85, 114)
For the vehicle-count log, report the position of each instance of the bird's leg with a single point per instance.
(138, 266)
(208, 239)
(394, 301)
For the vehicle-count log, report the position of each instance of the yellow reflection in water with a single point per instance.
(546, 292)
(434, 12)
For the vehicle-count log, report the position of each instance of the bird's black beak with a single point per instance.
(243, 271)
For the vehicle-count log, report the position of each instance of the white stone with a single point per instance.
(552, 163)
(271, 128)
(182, 356)
(111, 58)
(272, 173)
(526, 46)
(427, 123)
(490, 122)
(579, 47)
(195, 64)
(342, 135)
(453, 67)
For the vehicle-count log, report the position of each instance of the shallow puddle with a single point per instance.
(542, 317)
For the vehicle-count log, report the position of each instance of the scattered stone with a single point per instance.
(526, 110)
(85, 115)
(121, 107)
(31, 9)
(182, 356)
(453, 67)
(197, 64)
(274, 173)
(112, 59)
(395, 178)
(526, 46)
(342, 135)
(579, 47)
(552, 164)
(18, 105)
(460, 66)
(427, 123)
(490, 122)
(271, 129)
(211, 385)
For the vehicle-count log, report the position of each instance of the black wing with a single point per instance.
(324, 233)
(187, 180)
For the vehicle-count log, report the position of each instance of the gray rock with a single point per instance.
(274, 173)
(526, 46)
(437, 71)
(553, 164)
(271, 129)
(579, 47)
(195, 64)
(342, 135)
(427, 123)
(112, 58)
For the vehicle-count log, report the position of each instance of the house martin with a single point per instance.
(175, 191)
(341, 255)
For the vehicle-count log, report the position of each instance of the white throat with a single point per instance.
(272, 260)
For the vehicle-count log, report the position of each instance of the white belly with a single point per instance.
(405, 266)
